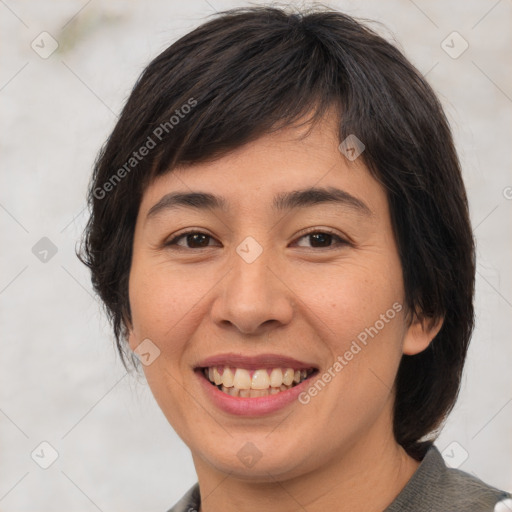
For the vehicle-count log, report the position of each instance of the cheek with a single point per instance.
(358, 312)
(165, 305)
(353, 295)
(358, 316)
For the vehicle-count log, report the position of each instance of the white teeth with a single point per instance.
(252, 393)
(288, 376)
(230, 391)
(217, 377)
(242, 379)
(238, 381)
(258, 392)
(260, 380)
(227, 377)
(276, 377)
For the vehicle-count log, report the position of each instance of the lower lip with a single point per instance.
(251, 406)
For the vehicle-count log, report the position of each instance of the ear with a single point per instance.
(420, 334)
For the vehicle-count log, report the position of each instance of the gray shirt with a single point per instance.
(433, 488)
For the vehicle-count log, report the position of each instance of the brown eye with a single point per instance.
(323, 239)
(193, 240)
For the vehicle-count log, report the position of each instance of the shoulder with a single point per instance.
(470, 492)
(434, 487)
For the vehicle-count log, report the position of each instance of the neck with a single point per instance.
(366, 477)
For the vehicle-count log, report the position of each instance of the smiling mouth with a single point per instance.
(241, 382)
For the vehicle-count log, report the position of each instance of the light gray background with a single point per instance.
(60, 378)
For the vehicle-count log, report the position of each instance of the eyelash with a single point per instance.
(341, 241)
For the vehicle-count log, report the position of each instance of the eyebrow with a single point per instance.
(282, 201)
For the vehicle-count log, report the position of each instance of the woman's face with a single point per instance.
(272, 273)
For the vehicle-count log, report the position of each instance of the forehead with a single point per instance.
(290, 168)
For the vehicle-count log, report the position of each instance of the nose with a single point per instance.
(253, 297)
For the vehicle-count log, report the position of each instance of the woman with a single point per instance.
(280, 235)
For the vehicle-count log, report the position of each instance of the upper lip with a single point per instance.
(254, 362)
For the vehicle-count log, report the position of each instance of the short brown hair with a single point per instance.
(253, 70)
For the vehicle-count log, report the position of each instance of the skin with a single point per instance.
(304, 300)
